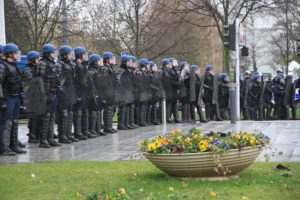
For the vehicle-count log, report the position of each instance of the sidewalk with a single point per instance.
(285, 137)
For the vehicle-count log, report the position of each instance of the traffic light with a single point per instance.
(229, 36)
(245, 51)
(298, 47)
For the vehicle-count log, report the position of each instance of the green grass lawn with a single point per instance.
(141, 180)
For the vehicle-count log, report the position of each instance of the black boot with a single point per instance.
(62, 127)
(85, 125)
(218, 116)
(154, 112)
(93, 123)
(268, 113)
(70, 135)
(44, 131)
(14, 146)
(108, 120)
(207, 112)
(33, 136)
(149, 113)
(99, 124)
(175, 112)
(50, 136)
(131, 117)
(200, 113)
(127, 124)
(77, 126)
(192, 111)
(168, 112)
(142, 115)
(5, 146)
(122, 118)
(294, 113)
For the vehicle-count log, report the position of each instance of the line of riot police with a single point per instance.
(81, 94)
(264, 98)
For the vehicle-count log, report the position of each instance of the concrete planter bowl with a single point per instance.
(203, 164)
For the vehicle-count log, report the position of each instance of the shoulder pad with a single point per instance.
(139, 73)
(42, 63)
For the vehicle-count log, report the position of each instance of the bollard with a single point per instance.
(164, 114)
(232, 102)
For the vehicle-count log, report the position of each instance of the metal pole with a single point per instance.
(2, 23)
(237, 67)
(164, 115)
(65, 39)
(232, 99)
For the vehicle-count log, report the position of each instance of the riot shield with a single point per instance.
(192, 85)
(262, 94)
(126, 86)
(166, 82)
(215, 90)
(287, 91)
(104, 85)
(35, 96)
(141, 88)
(200, 91)
(68, 96)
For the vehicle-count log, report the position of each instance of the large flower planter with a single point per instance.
(204, 164)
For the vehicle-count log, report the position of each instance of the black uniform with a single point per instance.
(197, 103)
(10, 93)
(125, 114)
(66, 100)
(50, 73)
(267, 98)
(210, 97)
(289, 98)
(157, 94)
(244, 96)
(175, 82)
(94, 103)
(278, 90)
(35, 101)
(223, 98)
(254, 95)
(142, 97)
(107, 87)
(168, 90)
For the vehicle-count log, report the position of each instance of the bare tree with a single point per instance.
(42, 20)
(142, 27)
(222, 12)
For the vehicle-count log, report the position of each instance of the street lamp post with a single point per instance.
(2, 23)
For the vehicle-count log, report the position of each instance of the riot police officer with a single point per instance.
(223, 94)
(167, 85)
(50, 73)
(278, 90)
(244, 94)
(81, 87)
(289, 98)
(94, 104)
(35, 96)
(10, 95)
(107, 86)
(157, 93)
(267, 97)
(175, 88)
(199, 90)
(184, 90)
(210, 97)
(67, 96)
(142, 92)
(132, 118)
(254, 95)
